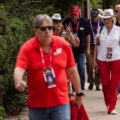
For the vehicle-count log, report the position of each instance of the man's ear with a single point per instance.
(35, 31)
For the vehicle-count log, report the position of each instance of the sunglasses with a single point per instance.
(44, 28)
(116, 11)
(57, 21)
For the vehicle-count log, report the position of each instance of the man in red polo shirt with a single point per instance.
(46, 59)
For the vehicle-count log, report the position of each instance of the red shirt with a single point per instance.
(76, 113)
(29, 58)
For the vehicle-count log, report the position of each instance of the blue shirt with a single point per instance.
(94, 27)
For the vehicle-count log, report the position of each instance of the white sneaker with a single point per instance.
(113, 112)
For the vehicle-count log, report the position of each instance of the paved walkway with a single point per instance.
(96, 109)
(94, 105)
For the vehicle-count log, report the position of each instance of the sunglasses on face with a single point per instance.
(116, 11)
(57, 21)
(44, 28)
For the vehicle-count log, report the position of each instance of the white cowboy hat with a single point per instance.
(56, 16)
(107, 13)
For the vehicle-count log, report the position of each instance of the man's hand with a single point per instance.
(78, 101)
(68, 29)
(18, 79)
(20, 86)
(94, 64)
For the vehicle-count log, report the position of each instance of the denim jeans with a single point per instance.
(61, 112)
(80, 60)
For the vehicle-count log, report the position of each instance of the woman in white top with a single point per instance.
(108, 58)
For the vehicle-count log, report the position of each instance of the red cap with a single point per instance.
(75, 10)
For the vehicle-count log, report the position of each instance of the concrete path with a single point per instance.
(94, 104)
(95, 107)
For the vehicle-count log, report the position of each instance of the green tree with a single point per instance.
(96, 4)
(11, 38)
(107, 4)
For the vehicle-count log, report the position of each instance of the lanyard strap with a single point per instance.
(72, 27)
(59, 34)
(42, 57)
(92, 27)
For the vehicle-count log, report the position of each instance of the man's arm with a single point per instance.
(95, 53)
(18, 79)
(75, 80)
(87, 45)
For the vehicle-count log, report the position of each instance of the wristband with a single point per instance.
(80, 94)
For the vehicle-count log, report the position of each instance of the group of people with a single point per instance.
(58, 52)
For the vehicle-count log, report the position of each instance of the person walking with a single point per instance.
(93, 77)
(46, 58)
(59, 31)
(109, 59)
(117, 15)
(65, 34)
(80, 28)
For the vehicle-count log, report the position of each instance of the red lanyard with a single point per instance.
(92, 27)
(59, 34)
(42, 57)
(72, 27)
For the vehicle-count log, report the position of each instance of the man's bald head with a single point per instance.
(117, 11)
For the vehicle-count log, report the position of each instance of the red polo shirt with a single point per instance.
(29, 58)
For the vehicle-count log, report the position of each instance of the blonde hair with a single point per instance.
(100, 11)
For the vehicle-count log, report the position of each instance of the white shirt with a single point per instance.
(111, 40)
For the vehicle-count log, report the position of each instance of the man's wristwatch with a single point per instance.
(80, 94)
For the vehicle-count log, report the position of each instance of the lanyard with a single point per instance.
(59, 34)
(92, 27)
(72, 27)
(42, 57)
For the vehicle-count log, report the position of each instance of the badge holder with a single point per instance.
(49, 77)
(94, 39)
(109, 53)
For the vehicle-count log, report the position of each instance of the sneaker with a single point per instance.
(118, 94)
(90, 87)
(113, 112)
(98, 88)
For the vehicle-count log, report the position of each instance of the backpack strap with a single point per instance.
(100, 29)
(100, 32)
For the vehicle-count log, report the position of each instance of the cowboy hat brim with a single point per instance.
(102, 16)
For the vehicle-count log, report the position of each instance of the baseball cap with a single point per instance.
(56, 16)
(75, 10)
(108, 13)
(94, 12)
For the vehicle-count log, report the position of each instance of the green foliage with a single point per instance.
(25, 9)
(3, 115)
(16, 102)
(116, 2)
(1, 82)
(64, 5)
(96, 4)
(11, 38)
(19, 118)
